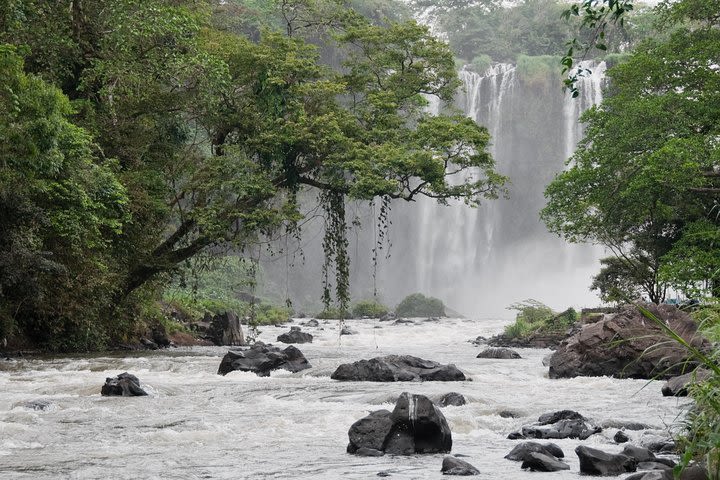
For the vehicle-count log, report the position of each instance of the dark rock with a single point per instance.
(522, 451)
(124, 385)
(148, 344)
(455, 466)
(311, 323)
(515, 436)
(536, 340)
(678, 386)
(628, 345)
(663, 446)
(665, 461)
(295, 336)
(345, 330)
(625, 425)
(509, 414)
(654, 475)
(554, 417)
(640, 454)
(368, 452)
(160, 336)
(432, 319)
(388, 317)
(653, 466)
(414, 426)
(453, 398)
(620, 437)
(397, 368)
(499, 353)
(543, 463)
(479, 340)
(262, 359)
(561, 429)
(225, 329)
(694, 472)
(597, 462)
(383, 474)
(38, 405)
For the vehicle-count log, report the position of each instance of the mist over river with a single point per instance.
(197, 424)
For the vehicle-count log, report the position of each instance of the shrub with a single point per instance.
(534, 316)
(481, 63)
(418, 305)
(332, 313)
(369, 308)
(271, 315)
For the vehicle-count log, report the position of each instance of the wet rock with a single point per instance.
(640, 454)
(295, 336)
(653, 466)
(432, 320)
(369, 452)
(414, 426)
(262, 359)
(522, 451)
(403, 321)
(124, 385)
(38, 405)
(597, 462)
(561, 424)
(479, 340)
(160, 336)
(453, 398)
(620, 344)
(148, 344)
(621, 437)
(311, 323)
(625, 425)
(540, 462)
(225, 329)
(536, 340)
(662, 446)
(654, 475)
(454, 466)
(397, 368)
(509, 414)
(345, 330)
(383, 474)
(678, 386)
(499, 353)
(515, 436)
(388, 317)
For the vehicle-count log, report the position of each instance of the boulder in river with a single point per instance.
(499, 353)
(597, 462)
(522, 451)
(452, 399)
(262, 359)
(414, 426)
(295, 336)
(628, 345)
(621, 437)
(678, 386)
(540, 462)
(397, 368)
(454, 466)
(345, 330)
(225, 329)
(311, 323)
(124, 385)
(561, 424)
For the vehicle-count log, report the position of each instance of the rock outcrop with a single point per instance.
(627, 345)
(262, 359)
(597, 462)
(295, 335)
(455, 466)
(225, 329)
(678, 386)
(124, 385)
(414, 426)
(499, 353)
(558, 425)
(452, 399)
(397, 368)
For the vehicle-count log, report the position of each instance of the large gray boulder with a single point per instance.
(225, 329)
(455, 466)
(414, 426)
(262, 359)
(539, 462)
(597, 462)
(561, 424)
(628, 345)
(295, 335)
(397, 368)
(499, 353)
(522, 451)
(124, 385)
(678, 386)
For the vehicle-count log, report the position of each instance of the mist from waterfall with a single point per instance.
(477, 260)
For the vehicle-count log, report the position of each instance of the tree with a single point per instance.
(646, 171)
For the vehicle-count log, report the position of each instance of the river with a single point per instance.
(197, 424)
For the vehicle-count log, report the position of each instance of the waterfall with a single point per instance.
(480, 260)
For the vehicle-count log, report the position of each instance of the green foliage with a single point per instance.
(418, 305)
(621, 278)
(333, 313)
(481, 63)
(369, 308)
(535, 317)
(538, 72)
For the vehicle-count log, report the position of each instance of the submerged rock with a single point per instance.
(455, 466)
(311, 323)
(295, 336)
(628, 345)
(414, 426)
(452, 399)
(38, 405)
(397, 368)
(262, 359)
(597, 462)
(561, 424)
(345, 330)
(499, 353)
(124, 385)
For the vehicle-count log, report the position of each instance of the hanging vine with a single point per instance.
(381, 235)
(335, 249)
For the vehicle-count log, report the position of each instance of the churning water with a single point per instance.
(197, 424)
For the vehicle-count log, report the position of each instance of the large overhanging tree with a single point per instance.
(644, 181)
(213, 133)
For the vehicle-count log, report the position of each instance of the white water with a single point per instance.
(197, 424)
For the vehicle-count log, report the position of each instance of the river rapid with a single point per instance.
(197, 424)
